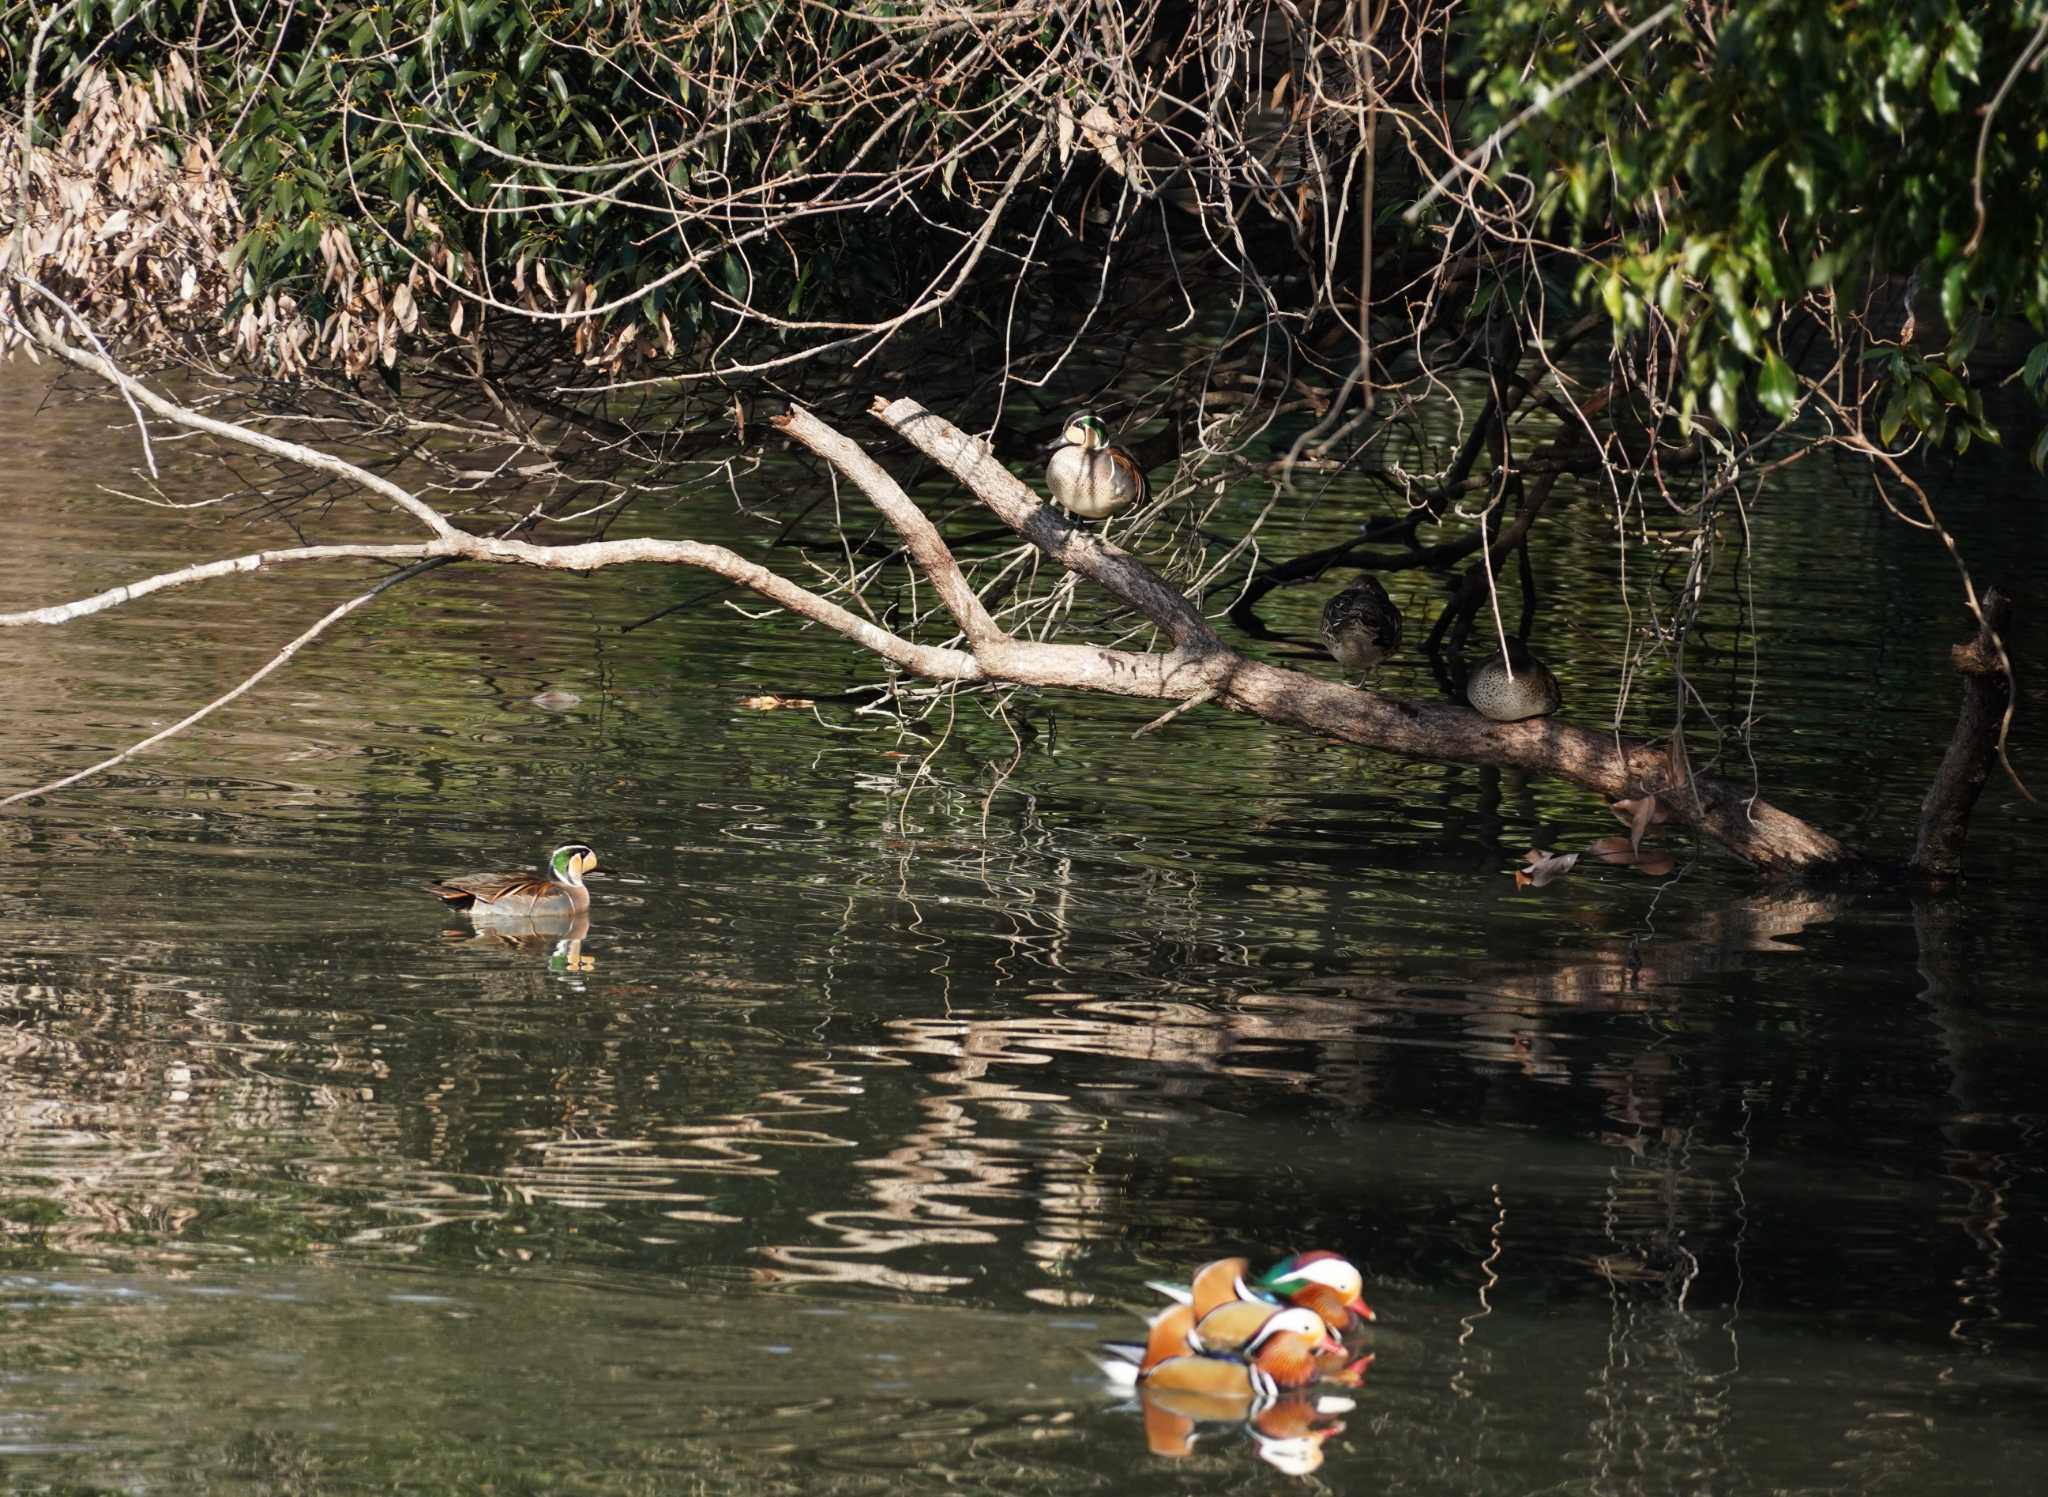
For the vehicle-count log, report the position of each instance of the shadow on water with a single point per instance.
(874, 1089)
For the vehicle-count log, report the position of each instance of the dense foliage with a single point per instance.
(624, 173)
(1758, 173)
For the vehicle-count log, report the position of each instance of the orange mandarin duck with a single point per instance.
(1321, 1281)
(1324, 1282)
(1279, 1354)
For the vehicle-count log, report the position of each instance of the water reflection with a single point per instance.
(558, 938)
(819, 1160)
(1287, 1433)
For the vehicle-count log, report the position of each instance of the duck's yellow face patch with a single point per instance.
(583, 862)
(1085, 432)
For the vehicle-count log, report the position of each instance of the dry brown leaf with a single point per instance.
(1639, 816)
(1100, 129)
(775, 703)
(1655, 863)
(1543, 867)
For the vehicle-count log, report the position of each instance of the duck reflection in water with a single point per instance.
(559, 937)
(1288, 1432)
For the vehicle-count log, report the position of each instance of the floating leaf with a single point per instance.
(1543, 867)
(1639, 815)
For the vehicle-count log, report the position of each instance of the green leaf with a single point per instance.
(1965, 50)
(2040, 453)
(1922, 406)
(1735, 311)
(1965, 340)
(2035, 367)
(1777, 387)
(1894, 416)
(1941, 87)
(1946, 385)
(1722, 398)
(1952, 305)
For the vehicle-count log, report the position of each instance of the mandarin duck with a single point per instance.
(1331, 1286)
(521, 896)
(1323, 1281)
(1513, 685)
(1278, 1355)
(1087, 476)
(1362, 626)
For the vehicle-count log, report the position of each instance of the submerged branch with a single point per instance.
(1987, 698)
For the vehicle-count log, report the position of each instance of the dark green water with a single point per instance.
(871, 1098)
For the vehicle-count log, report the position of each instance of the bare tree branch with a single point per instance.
(328, 620)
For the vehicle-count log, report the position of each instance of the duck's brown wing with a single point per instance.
(1127, 465)
(513, 893)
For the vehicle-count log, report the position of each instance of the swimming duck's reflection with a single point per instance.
(559, 937)
(1287, 1432)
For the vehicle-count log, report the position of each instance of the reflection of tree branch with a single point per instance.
(327, 621)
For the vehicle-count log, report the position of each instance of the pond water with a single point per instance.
(898, 1055)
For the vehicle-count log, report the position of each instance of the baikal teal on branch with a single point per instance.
(1751, 174)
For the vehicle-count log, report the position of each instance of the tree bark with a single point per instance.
(1987, 692)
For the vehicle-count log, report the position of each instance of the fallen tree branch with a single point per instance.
(1082, 552)
(255, 561)
(1987, 696)
(921, 538)
(1199, 668)
(332, 617)
(1611, 766)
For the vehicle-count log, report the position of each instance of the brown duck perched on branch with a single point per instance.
(1362, 626)
(521, 896)
(1513, 685)
(1087, 476)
